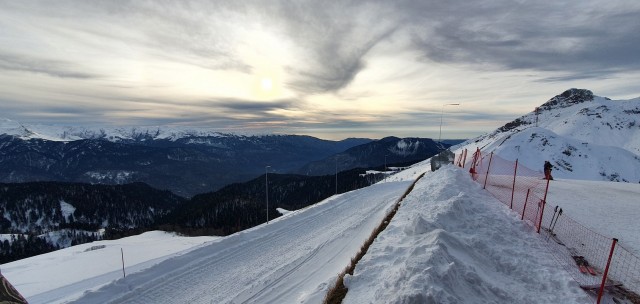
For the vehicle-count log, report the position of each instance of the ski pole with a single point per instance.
(555, 211)
(556, 221)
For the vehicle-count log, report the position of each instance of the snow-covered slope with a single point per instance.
(67, 273)
(448, 232)
(290, 260)
(584, 136)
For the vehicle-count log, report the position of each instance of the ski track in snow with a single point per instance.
(250, 267)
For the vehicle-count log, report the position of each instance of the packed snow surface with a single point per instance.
(451, 242)
(292, 259)
(67, 273)
(609, 208)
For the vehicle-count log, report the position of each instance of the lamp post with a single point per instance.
(441, 113)
(266, 186)
(385, 162)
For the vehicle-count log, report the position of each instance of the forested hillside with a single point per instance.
(241, 206)
(40, 217)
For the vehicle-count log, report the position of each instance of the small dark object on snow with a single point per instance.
(547, 170)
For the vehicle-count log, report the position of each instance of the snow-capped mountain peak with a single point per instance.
(583, 135)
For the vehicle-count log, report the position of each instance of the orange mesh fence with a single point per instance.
(569, 240)
(517, 186)
(572, 244)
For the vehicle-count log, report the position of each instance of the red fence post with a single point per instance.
(486, 177)
(513, 188)
(464, 158)
(606, 270)
(544, 202)
(525, 204)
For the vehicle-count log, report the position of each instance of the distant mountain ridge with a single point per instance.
(114, 134)
(389, 150)
(187, 164)
(584, 136)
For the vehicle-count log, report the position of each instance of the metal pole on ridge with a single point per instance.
(606, 270)
(513, 187)
(266, 186)
(336, 175)
(441, 113)
(124, 275)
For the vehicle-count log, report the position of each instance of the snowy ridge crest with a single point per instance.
(568, 98)
(584, 136)
(114, 134)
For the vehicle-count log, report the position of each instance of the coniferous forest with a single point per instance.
(42, 217)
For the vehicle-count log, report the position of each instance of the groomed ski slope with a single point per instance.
(67, 273)
(290, 260)
(452, 242)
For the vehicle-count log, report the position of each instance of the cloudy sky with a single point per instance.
(331, 69)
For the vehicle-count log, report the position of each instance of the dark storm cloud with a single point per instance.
(570, 37)
(247, 106)
(55, 68)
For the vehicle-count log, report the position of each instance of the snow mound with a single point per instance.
(451, 242)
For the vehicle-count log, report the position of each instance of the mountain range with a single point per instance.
(584, 136)
(188, 165)
(182, 160)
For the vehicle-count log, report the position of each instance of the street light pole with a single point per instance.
(385, 162)
(441, 113)
(266, 186)
(336, 175)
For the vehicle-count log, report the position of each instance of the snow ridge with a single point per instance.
(447, 244)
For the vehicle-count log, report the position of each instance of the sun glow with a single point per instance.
(266, 84)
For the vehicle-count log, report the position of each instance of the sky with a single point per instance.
(330, 69)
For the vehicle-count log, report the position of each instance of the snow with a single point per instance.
(612, 209)
(405, 147)
(66, 209)
(66, 274)
(292, 259)
(593, 140)
(451, 242)
(283, 211)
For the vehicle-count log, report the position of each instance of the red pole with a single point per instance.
(606, 270)
(544, 202)
(513, 188)
(525, 205)
(464, 158)
(488, 168)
